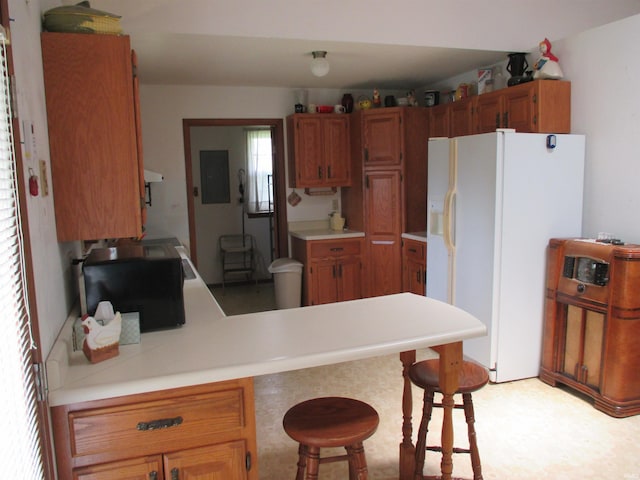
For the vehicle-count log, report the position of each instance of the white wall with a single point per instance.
(54, 284)
(603, 67)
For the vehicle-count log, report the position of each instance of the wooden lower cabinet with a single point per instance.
(199, 432)
(591, 336)
(332, 269)
(414, 266)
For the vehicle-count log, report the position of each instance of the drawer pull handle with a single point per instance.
(158, 424)
(337, 249)
(153, 475)
(175, 474)
(413, 250)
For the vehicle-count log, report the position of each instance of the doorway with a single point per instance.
(278, 235)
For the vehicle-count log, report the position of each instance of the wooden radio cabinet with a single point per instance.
(591, 339)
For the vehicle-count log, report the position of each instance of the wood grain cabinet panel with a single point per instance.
(319, 150)
(439, 121)
(539, 106)
(389, 196)
(96, 162)
(462, 117)
(591, 337)
(414, 266)
(332, 269)
(208, 429)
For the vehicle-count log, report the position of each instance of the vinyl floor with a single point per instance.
(526, 429)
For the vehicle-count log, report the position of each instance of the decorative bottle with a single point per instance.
(498, 79)
(347, 102)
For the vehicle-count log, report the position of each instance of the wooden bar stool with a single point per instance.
(425, 374)
(330, 422)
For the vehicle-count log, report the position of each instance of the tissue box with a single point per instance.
(129, 334)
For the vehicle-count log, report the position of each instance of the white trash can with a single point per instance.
(287, 278)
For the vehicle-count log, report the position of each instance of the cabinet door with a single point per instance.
(337, 151)
(519, 109)
(414, 278)
(323, 282)
(382, 138)
(583, 345)
(147, 468)
(226, 461)
(489, 112)
(308, 151)
(414, 266)
(439, 121)
(461, 117)
(383, 205)
(92, 135)
(349, 278)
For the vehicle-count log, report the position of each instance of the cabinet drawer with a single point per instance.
(334, 248)
(157, 426)
(415, 250)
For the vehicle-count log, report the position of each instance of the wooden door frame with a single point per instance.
(281, 235)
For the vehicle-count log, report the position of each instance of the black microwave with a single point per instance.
(147, 279)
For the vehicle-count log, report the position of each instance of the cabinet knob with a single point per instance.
(581, 288)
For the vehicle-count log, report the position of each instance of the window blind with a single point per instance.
(20, 456)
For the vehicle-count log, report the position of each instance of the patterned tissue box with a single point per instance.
(129, 334)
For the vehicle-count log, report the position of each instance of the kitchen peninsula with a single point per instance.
(120, 415)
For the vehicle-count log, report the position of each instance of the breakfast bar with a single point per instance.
(212, 348)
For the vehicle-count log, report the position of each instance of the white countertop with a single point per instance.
(211, 347)
(418, 236)
(325, 234)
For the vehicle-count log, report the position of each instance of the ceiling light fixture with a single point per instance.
(319, 64)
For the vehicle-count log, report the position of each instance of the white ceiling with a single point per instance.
(370, 43)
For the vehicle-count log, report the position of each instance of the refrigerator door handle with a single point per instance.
(449, 220)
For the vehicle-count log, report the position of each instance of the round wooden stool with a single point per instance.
(472, 377)
(330, 422)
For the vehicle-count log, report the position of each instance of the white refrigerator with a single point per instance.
(494, 201)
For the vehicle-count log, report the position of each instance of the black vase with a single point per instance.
(517, 64)
(347, 102)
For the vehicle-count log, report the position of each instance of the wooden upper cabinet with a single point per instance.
(489, 113)
(539, 106)
(95, 164)
(337, 149)
(319, 150)
(462, 117)
(439, 121)
(382, 137)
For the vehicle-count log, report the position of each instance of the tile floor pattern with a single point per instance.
(526, 429)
